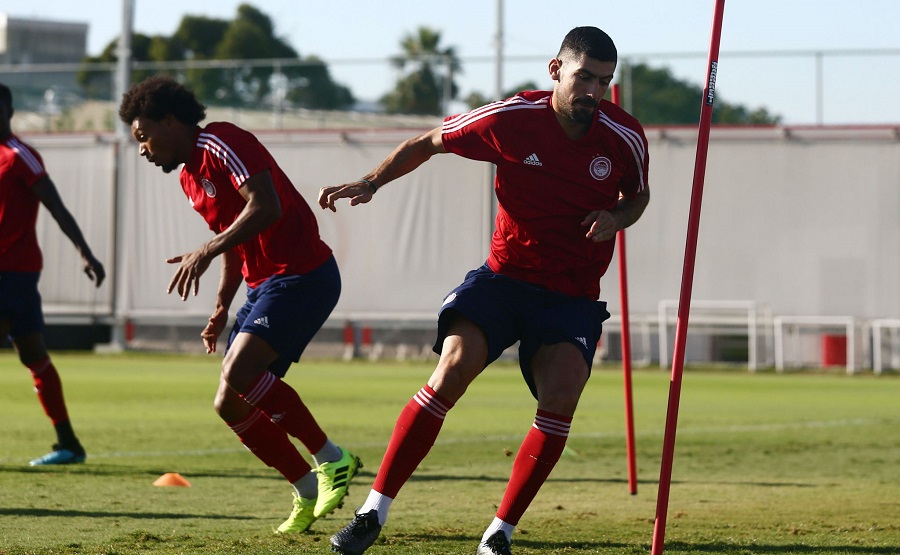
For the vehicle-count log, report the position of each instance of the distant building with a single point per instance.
(25, 42)
(41, 41)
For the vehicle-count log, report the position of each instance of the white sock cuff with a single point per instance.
(379, 502)
(498, 524)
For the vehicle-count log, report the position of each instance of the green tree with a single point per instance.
(99, 84)
(250, 36)
(657, 97)
(424, 89)
(312, 86)
(196, 38)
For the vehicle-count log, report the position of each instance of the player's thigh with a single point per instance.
(560, 373)
(248, 356)
(22, 314)
(463, 356)
(288, 311)
(484, 299)
(31, 347)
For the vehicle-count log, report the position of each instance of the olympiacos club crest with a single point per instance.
(210, 188)
(600, 168)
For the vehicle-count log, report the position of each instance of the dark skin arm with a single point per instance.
(229, 281)
(49, 197)
(263, 208)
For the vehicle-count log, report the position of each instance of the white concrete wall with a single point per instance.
(805, 221)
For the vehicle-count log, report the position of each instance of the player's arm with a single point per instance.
(408, 156)
(229, 281)
(49, 197)
(603, 224)
(263, 208)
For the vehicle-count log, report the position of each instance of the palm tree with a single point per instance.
(423, 90)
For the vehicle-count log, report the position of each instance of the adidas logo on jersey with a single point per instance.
(532, 160)
(582, 340)
(263, 321)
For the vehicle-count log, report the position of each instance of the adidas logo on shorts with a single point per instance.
(262, 321)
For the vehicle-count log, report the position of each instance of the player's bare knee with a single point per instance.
(452, 377)
(559, 400)
(229, 405)
(237, 374)
(221, 406)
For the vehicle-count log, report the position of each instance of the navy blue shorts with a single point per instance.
(20, 303)
(287, 311)
(509, 310)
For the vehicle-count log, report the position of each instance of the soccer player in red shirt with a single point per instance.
(571, 172)
(267, 236)
(24, 185)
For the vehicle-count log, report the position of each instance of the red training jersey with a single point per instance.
(20, 168)
(224, 157)
(547, 184)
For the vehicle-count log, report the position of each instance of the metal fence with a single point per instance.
(813, 87)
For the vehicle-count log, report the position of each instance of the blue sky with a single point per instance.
(856, 89)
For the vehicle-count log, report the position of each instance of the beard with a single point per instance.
(581, 111)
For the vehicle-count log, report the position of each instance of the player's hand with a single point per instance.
(94, 270)
(187, 277)
(213, 330)
(602, 226)
(358, 193)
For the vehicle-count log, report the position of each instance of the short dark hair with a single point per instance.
(6, 95)
(590, 41)
(158, 96)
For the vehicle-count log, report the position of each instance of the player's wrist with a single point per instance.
(370, 184)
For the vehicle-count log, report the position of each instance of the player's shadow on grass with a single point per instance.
(594, 547)
(767, 549)
(425, 477)
(69, 513)
(124, 471)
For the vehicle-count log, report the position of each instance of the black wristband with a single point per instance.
(370, 184)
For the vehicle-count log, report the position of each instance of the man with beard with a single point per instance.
(571, 172)
(267, 236)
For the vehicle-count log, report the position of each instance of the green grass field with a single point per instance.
(805, 463)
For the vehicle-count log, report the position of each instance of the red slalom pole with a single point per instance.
(687, 279)
(626, 344)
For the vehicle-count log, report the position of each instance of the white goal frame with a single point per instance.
(732, 313)
(877, 326)
(846, 322)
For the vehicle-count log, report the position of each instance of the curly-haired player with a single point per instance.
(268, 237)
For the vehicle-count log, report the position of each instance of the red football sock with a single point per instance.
(283, 406)
(271, 445)
(48, 387)
(537, 456)
(414, 434)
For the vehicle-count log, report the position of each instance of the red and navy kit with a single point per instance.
(547, 184)
(224, 157)
(20, 168)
